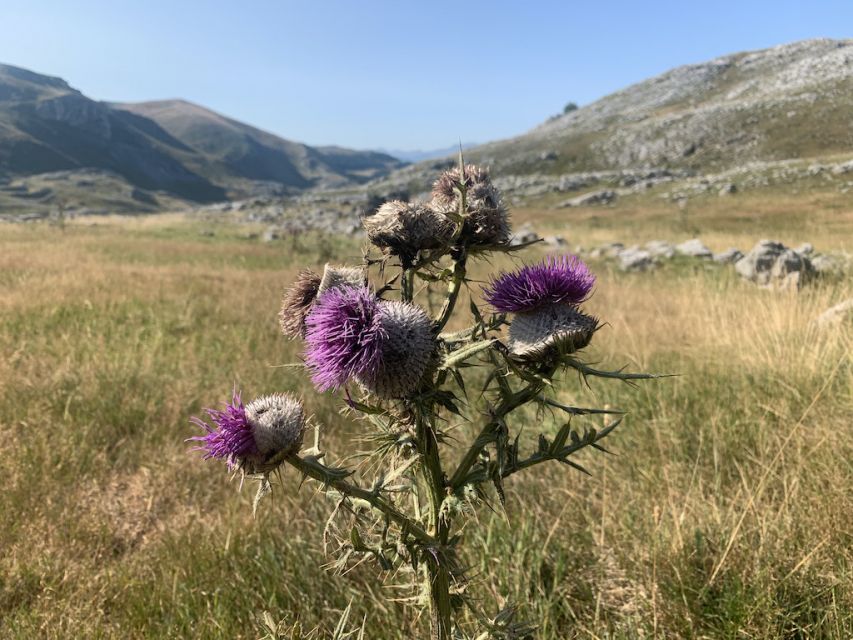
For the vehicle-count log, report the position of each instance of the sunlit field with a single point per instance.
(724, 511)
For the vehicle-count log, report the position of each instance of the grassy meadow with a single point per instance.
(726, 511)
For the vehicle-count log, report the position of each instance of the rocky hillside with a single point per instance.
(790, 101)
(174, 147)
(712, 120)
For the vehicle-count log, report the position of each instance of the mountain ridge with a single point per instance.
(171, 146)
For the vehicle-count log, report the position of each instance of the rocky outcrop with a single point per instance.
(771, 263)
(694, 248)
(729, 256)
(605, 196)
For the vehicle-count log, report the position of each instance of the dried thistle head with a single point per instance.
(297, 302)
(487, 217)
(254, 436)
(335, 276)
(549, 331)
(405, 228)
(407, 349)
(445, 190)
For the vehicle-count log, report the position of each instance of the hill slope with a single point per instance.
(789, 101)
(172, 146)
(46, 126)
(223, 146)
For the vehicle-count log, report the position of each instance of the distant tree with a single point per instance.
(569, 108)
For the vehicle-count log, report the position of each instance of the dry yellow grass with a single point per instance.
(726, 512)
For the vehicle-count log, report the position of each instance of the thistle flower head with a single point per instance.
(278, 423)
(563, 280)
(487, 218)
(404, 228)
(406, 352)
(335, 277)
(344, 336)
(250, 435)
(551, 330)
(296, 303)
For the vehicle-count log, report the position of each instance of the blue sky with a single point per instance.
(403, 75)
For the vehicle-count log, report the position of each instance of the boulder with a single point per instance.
(694, 248)
(605, 196)
(660, 249)
(522, 235)
(555, 242)
(729, 256)
(772, 263)
(635, 259)
(756, 265)
(609, 250)
(826, 264)
(271, 235)
(836, 314)
(727, 189)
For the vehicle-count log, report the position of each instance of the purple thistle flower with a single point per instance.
(230, 437)
(344, 336)
(563, 280)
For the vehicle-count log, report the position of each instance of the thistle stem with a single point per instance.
(453, 288)
(508, 405)
(315, 470)
(439, 576)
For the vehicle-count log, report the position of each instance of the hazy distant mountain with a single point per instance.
(222, 147)
(418, 155)
(46, 126)
(170, 146)
(789, 101)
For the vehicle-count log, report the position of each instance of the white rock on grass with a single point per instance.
(660, 249)
(772, 263)
(836, 314)
(694, 248)
(729, 256)
(636, 259)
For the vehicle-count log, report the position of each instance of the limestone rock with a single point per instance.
(609, 250)
(636, 259)
(523, 234)
(772, 263)
(836, 314)
(605, 196)
(729, 256)
(694, 248)
(660, 249)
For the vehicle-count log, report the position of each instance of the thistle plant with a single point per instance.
(411, 378)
